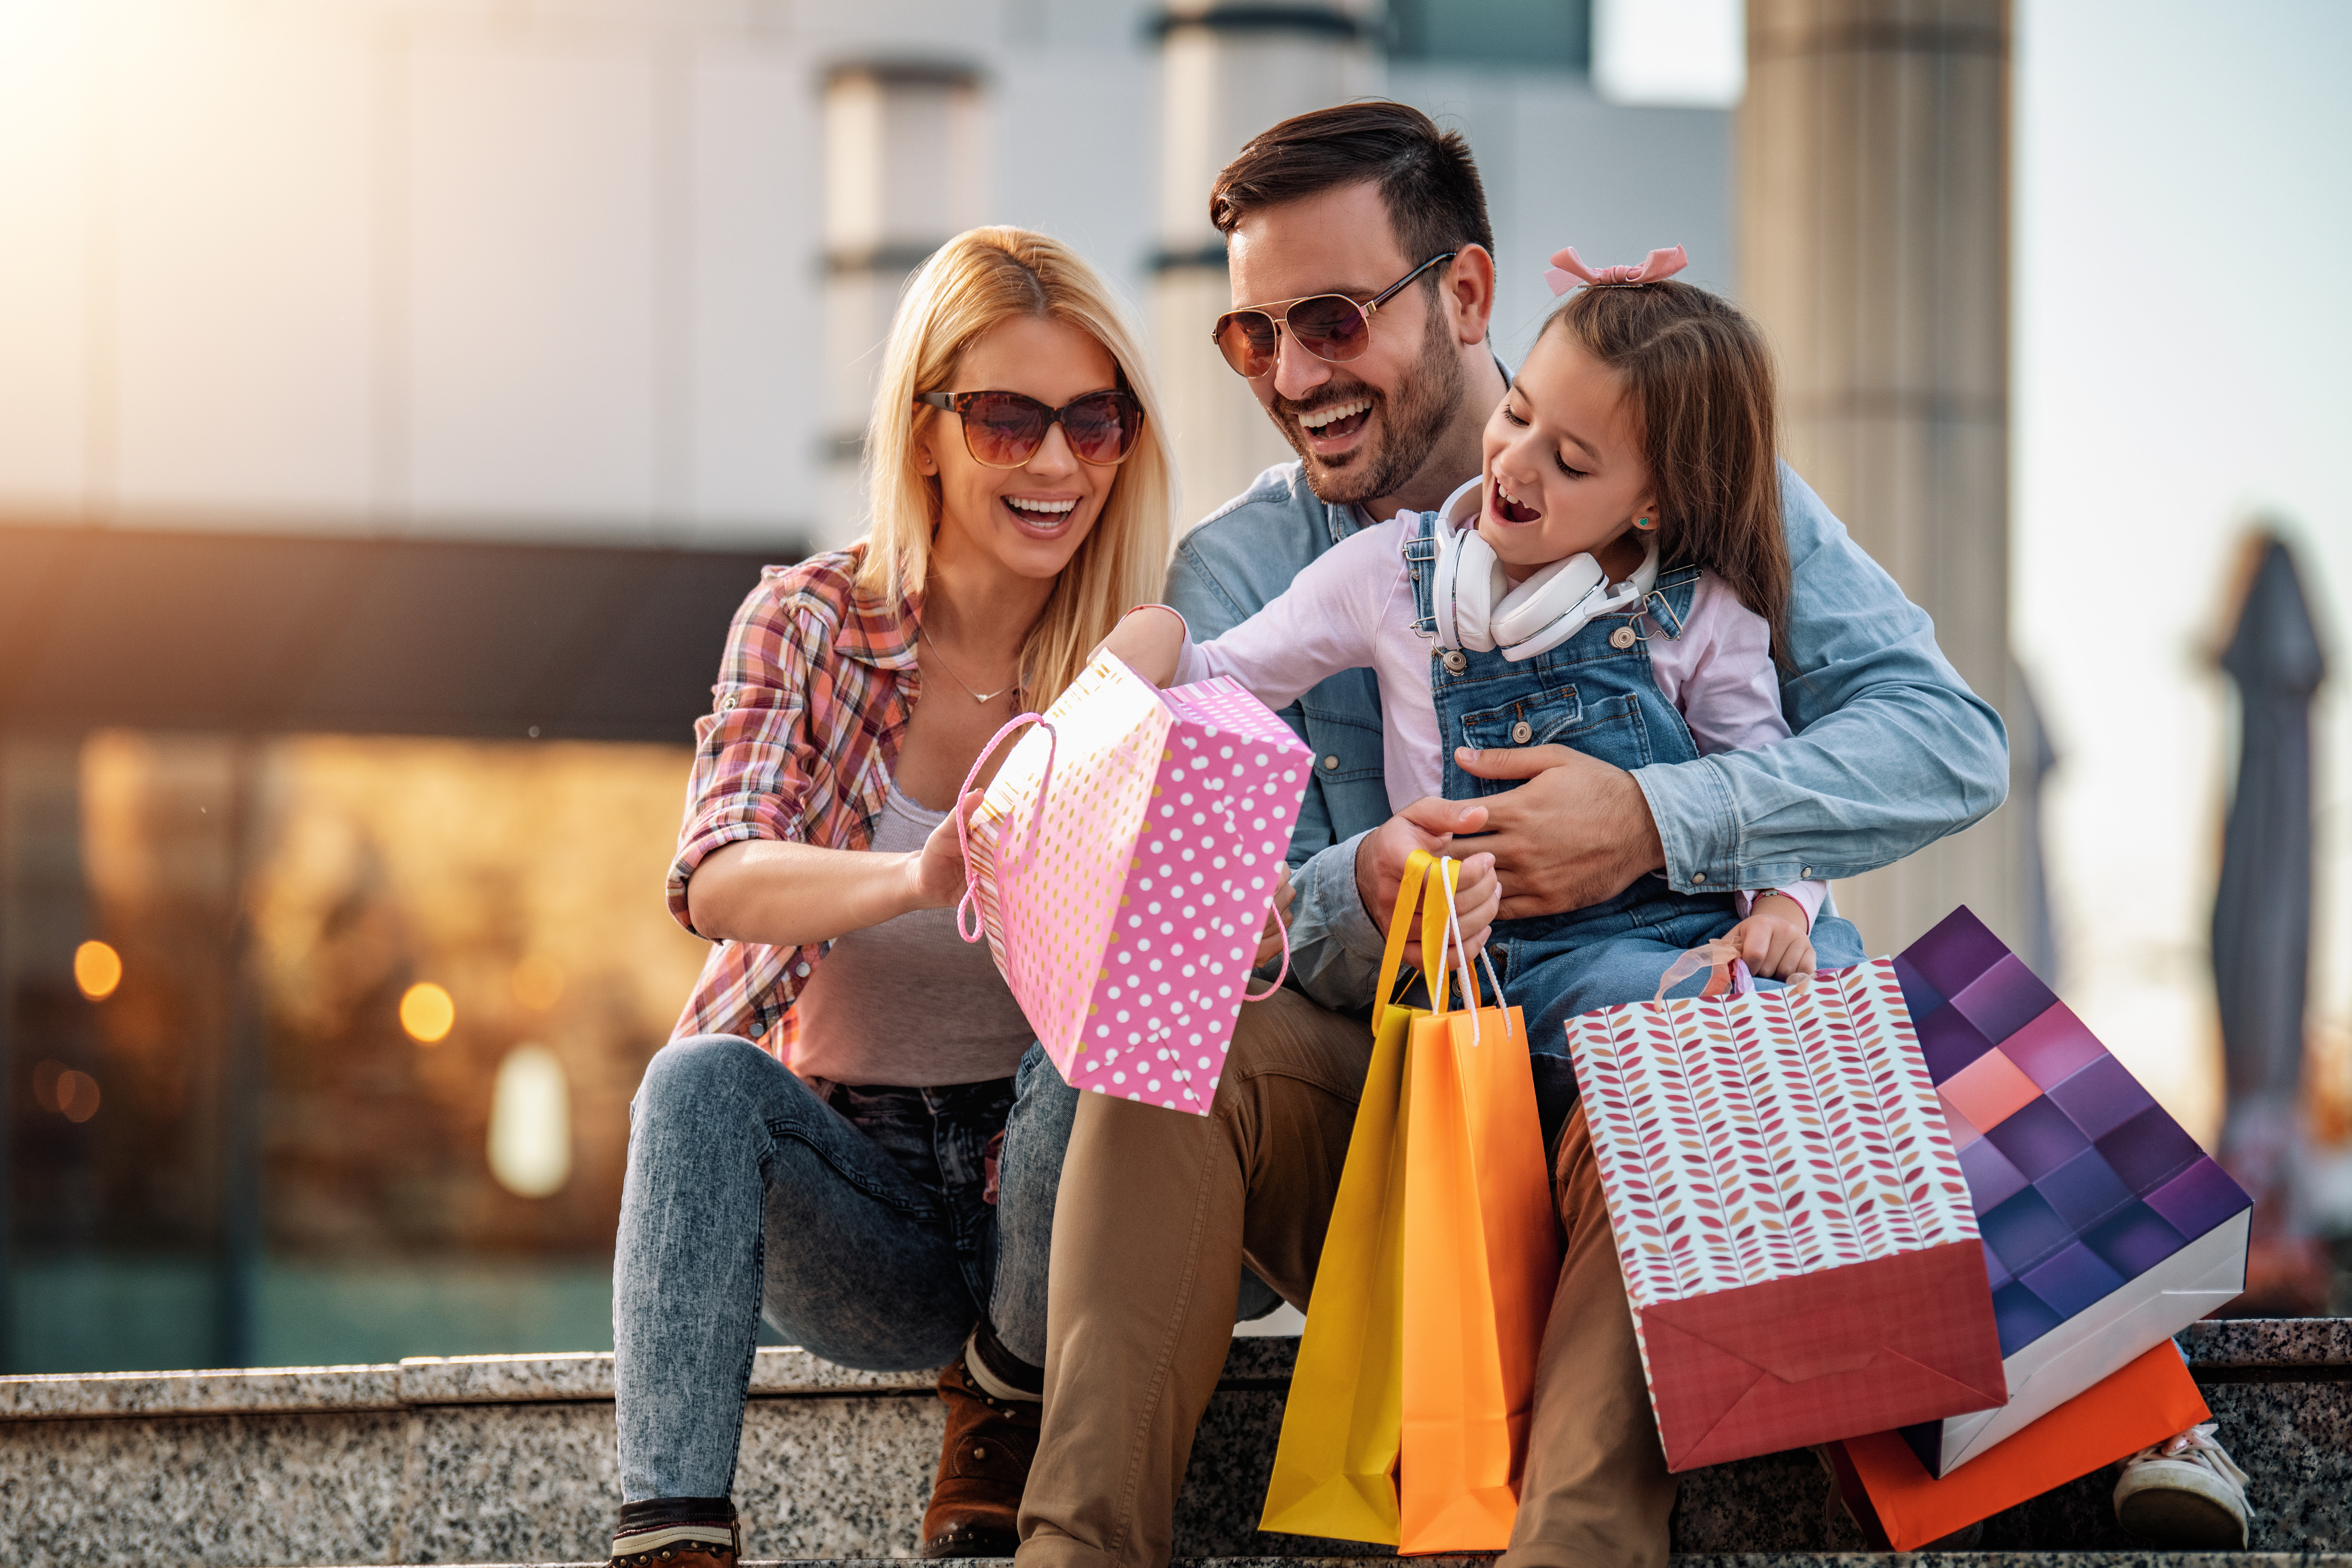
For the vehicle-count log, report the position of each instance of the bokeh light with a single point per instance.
(97, 970)
(538, 982)
(530, 1123)
(427, 1012)
(76, 1096)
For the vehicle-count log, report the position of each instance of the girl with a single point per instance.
(1615, 581)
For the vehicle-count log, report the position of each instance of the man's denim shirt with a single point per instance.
(1892, 750)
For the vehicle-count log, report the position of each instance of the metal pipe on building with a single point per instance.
(1874, 249)
(905, 169)
(1227, 72)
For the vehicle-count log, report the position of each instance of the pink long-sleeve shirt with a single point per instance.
(1353, 609)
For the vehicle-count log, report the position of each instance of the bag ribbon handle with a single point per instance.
(1416, 866)
(970, 899)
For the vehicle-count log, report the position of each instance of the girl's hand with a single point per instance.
(1429, 824)
(1269, 941)
(936, 870)
(1774, 940)
(1149, 641)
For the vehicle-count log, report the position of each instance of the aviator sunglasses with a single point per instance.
(1005, 429)
(1329, 326)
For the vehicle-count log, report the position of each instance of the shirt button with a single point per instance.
(1623, 638)
(1806, 873)
(1698, 876)
(1456, 662)
(801, 969)
(1522, 732)
(1331, 764)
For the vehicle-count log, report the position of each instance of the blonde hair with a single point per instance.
(979, 279)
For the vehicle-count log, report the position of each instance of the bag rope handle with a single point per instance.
(970, 899)
(1276, 910)
(1449, 938)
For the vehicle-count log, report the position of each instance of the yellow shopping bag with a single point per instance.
(1335, 1469)
(1408, 1411)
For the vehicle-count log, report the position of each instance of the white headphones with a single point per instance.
(1476, 606)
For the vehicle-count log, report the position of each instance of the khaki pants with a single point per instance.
(1157, 1214)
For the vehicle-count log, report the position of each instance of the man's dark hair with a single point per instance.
(1426, 176)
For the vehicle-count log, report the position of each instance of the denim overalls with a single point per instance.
(1595, 694)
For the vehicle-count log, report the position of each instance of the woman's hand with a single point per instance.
(936, 872)
(1149, 640)
(1775, 939)
(1428, 823)
(1270, 939)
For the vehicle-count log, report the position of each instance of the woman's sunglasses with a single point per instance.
(1005, 429)
(1329, 326)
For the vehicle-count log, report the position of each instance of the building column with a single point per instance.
(1873, 223)
(905, 169)
(1226, 73)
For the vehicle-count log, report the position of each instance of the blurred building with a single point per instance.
(395, 398)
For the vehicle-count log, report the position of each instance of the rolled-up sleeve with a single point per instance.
(753, 758)
(1334, 948)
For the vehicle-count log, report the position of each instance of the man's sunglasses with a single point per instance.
(1005, 429)
(1329, 326)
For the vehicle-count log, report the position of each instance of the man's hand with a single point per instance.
(1270, 939)
(1775, 939)
(1576, 833)
(1428, 823)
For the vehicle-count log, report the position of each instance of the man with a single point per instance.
(1167, 1223)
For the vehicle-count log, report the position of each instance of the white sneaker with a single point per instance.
(2184, 1494)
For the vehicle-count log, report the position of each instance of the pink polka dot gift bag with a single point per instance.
(1121, 865)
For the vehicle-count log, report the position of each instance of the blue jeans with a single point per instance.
(854, 1218)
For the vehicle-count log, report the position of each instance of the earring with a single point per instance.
(1642, 523)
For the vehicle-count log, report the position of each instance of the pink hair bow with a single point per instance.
(1567, 270)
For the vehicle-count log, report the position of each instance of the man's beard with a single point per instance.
(1412, 421)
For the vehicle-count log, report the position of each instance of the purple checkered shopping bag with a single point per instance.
(2107, 1229)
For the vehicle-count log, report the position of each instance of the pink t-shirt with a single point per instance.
(1353, 609)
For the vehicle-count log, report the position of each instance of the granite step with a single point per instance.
(511, 1459)
(1717, 1560)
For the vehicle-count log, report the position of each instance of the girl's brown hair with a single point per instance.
(1700, 379)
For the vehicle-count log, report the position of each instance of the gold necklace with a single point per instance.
(982, 697)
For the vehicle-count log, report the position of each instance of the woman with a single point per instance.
(840, 1173)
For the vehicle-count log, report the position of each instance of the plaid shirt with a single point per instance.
(813, 697)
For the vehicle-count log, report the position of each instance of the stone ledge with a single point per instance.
(1738, 1559)
(778, 1371)
(2283, 1350)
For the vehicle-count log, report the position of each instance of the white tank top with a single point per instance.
(908, 1002)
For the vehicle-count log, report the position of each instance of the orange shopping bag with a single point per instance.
(1481, 1253)
(1899, 1505)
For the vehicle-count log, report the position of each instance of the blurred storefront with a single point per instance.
(321, 1044)
(396, 398)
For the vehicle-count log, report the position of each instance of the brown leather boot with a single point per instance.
(983, 1464)
(678, 1532)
